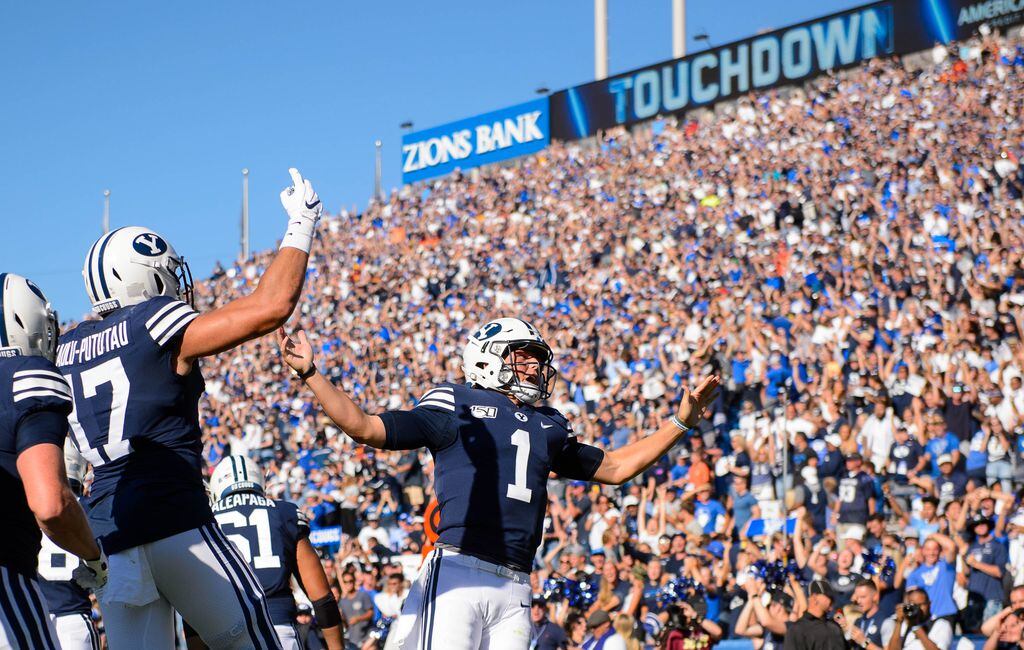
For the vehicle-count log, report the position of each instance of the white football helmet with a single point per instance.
(486, 363)
(236, 473)
(131, 265)
(76, 466)
(28, 324)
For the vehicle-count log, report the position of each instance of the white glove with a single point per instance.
(304, 209)
(91, 574)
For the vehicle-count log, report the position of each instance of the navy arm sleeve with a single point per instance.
(423, 426)
(577, 461)
(41, 427)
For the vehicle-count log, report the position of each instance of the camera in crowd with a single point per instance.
(913, 613)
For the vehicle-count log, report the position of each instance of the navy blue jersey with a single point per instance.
(34, 405)
(267, 533)
(491, 465)
(855, 491)
(137, 421)
(62, 594)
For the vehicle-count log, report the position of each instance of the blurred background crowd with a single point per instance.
(846, 255)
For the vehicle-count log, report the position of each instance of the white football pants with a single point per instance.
(460, 602)
(200, 574)
(76, 632)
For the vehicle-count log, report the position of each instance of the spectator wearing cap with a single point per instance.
(915, 627)
(959, 412)
(951, 483)
(986, 558)
(600, 633)
(856, 496)
(544, 633)
(630, 504)
(832, 463)
(372, 535)
(814, 630)
(935, 573)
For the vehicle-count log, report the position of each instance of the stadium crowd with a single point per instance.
(846, 255)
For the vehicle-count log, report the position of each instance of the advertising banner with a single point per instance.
(488, 138)
(787, 55)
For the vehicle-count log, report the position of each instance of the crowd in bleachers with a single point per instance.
(846, 255)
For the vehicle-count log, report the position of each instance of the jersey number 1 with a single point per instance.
(518, 490)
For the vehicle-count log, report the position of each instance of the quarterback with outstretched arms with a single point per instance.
(493, 448)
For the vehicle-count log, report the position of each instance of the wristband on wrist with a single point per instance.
(303, 376)
(299, 234)
(679, 423)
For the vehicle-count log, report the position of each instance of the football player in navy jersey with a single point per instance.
(68, 602)
(493, 448)
(273, 537)
(136, 385)
(34, 493)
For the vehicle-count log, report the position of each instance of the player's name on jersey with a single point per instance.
(242, 499)
(94, 345)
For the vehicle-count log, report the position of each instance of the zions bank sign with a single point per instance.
(784, 56)
(487, 138)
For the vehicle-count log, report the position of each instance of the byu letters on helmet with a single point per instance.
(28, 324)
(236, 473)
(131, 265)
(486, 362)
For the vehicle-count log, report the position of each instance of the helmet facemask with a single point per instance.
(511, 372)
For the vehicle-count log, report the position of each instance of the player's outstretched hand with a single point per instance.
(91, 574)
(694, 403)
(296, 351)
(300, 200)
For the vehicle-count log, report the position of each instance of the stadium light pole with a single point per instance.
(600, 39)
(106, 211)
(678, 29)
(378, 191)
(244, 253)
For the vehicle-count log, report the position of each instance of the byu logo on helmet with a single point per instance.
(488, 330)
(149, 244)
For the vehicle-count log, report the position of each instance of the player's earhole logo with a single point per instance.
(149, 244)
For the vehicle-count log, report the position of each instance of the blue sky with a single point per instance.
(165, 103)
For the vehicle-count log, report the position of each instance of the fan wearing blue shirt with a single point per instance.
(937, 574)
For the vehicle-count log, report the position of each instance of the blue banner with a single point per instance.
(764, 61)
(785, 56)
(481, 140)
(325, 536)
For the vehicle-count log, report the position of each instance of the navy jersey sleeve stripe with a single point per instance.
(169, 320)
(440, 394)
(42, 392)
(35, 383)
(38, 372)
(435, 404)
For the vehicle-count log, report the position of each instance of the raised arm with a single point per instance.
(364, 428)
(270, 305)
(622, 464)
